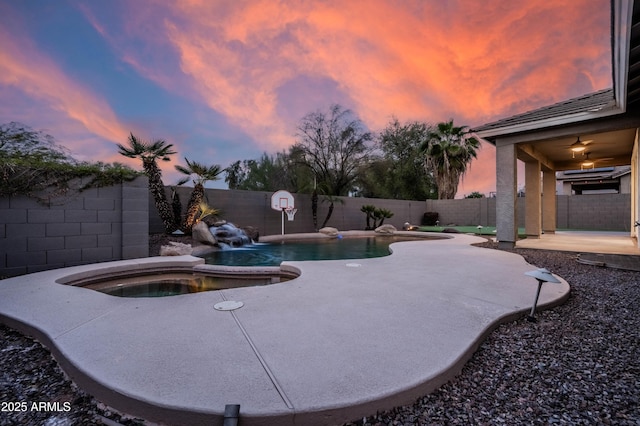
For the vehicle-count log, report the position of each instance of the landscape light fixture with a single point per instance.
(543, 276)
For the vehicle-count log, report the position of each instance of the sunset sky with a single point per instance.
(229, 80)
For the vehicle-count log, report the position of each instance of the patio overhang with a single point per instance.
(605, 123)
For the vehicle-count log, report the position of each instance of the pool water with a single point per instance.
(272, 254)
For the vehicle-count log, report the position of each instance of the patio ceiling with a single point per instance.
(605, 149)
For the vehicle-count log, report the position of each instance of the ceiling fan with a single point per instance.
(588, 163)
(579, 146)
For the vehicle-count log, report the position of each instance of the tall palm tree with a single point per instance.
(150, 153)
(448, 152)
(202, 175)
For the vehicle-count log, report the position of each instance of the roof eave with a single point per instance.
(491, 134)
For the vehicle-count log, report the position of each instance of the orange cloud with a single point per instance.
(427, 60)
(463, 59)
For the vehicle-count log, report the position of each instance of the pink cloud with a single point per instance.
(33, 74)
(473, 59)
(246, 60)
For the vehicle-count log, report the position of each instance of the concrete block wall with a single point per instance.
(96, 225)
(253, 208)
(248, 208)
(607, 212)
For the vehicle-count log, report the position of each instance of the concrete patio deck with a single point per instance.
(345, 339)
(584, 242)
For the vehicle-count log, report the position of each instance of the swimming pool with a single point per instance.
(253, 265)
(272, 254)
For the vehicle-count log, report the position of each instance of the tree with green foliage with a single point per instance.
(475, 194)
(268, 173)
(200, 174)
(399, 172)
(150, 153)
(448, 151)
(33, 164)
(334, 146)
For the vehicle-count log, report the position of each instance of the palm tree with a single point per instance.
(150, 153)
(448, 151)
(202, 174)
(381, 214)
(369, 210)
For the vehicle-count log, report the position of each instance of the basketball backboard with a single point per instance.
(281, 200)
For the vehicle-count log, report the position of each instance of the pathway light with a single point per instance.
(543, 276)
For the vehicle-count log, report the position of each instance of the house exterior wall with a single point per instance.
(96, 225)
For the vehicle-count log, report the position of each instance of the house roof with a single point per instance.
(593, 174)
(592, 103)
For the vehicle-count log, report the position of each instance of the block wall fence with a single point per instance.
(96, 225)
(114, 223)
(605, 212)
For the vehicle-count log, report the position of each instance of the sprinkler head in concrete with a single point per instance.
(543, 276)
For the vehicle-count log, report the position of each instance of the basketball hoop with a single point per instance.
(291, 212)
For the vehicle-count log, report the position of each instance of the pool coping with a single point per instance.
(342, 341)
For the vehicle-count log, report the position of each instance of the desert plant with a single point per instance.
(368, 210)
(33, 164)
(381, 214)
(201, 174)
(205, 210)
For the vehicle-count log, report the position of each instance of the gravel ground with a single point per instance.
(578, 365)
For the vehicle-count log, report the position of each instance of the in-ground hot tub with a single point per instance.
(167, 277)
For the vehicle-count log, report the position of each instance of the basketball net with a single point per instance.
(291, 212)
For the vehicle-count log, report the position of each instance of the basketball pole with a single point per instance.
(282, 213)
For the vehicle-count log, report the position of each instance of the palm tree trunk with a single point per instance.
(197, 195)
(176, 206)
(156, 187)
